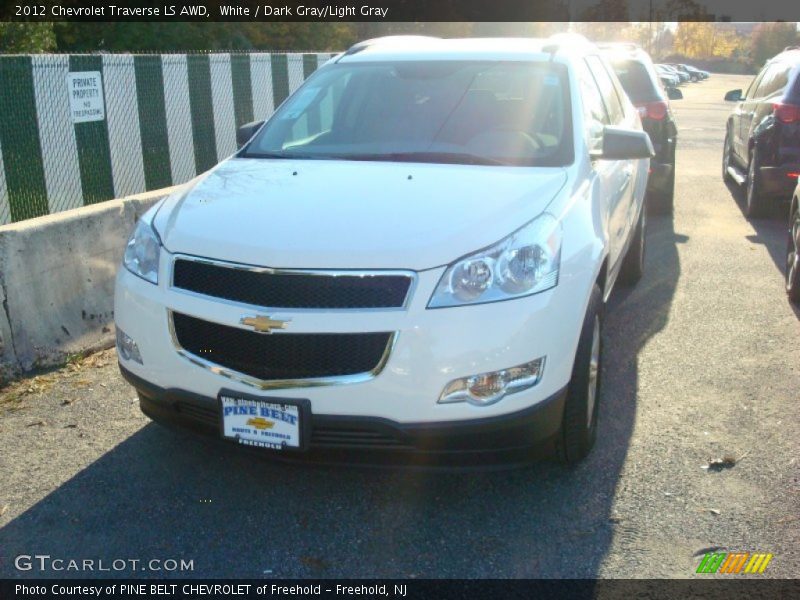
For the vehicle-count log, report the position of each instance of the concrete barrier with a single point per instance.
(57, 282)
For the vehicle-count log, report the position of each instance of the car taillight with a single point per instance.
(652, 110)
(786, 113)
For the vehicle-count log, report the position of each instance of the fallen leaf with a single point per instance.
(3, 509)
(718, 464)
(71, 426)
(36, 423)
(703, 551)
(714, 511)
(66, 402)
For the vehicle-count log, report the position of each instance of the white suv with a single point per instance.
(409, 259)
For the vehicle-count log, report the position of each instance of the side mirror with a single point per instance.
(733, 96)
(674, 94)
(624, 144)
(247, 131)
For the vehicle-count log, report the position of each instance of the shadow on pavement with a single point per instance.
(167, 495)
(771, 231)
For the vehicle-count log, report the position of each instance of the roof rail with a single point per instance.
(554, 43)
(618, 45)
(359, 46)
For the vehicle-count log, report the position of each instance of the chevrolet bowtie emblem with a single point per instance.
(263, 324)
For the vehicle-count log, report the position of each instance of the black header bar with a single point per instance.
(400, 10)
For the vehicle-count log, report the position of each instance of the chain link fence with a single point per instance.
(81, 129)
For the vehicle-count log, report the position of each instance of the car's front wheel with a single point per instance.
(793, 255)
(579, 424)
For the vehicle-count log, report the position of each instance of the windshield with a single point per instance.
(489, 113)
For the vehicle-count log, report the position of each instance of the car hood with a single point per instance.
(351, 214)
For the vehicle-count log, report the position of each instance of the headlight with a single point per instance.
(142, 252)
(524, 263)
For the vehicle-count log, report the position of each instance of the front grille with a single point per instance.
(362, 437)
(280, 356)
(291, 289)
(202, 414)
(322, 436)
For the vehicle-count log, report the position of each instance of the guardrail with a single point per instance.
(57, 276)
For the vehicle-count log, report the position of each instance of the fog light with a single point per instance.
(127, 348)
(487, 388)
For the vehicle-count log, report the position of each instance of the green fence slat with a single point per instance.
(94, 151)
(242, 89)
(202, 110)
(19, 137)
(152, 121)
(280, 78)
(309, 64)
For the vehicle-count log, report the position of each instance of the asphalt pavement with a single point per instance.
(702, 367)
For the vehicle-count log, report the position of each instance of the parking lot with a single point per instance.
(698, 444)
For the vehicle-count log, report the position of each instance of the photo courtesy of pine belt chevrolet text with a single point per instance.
(407, 263)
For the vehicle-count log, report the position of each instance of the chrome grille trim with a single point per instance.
(277, 384)
(411, 275)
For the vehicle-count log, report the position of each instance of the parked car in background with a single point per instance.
(641, 82)
(695, 75)
(669, 78)
(762, 136)
(682, 74)
(410, 258)
(793, 248)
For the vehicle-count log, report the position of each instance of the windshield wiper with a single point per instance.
(290, 156)
(456, 158)
(462, 158)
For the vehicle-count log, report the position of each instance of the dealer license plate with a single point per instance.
(274, 423)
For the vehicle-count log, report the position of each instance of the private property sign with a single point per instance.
(85, 90)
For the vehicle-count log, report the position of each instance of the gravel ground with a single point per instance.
(702, 362)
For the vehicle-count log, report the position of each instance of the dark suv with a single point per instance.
(639, 78)
(762, 139)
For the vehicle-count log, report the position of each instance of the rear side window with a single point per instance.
(774, 80)
(607, 89)
(635, 80)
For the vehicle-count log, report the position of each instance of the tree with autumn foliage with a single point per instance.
(704, 40)
(769, 39)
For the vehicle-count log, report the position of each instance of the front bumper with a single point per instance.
(507, 439)
(432, 347)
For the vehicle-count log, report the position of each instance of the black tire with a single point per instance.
(579, 425)
(755, 204)
(632, 267)
(662, 202)
(726, 158)
(793, 255)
